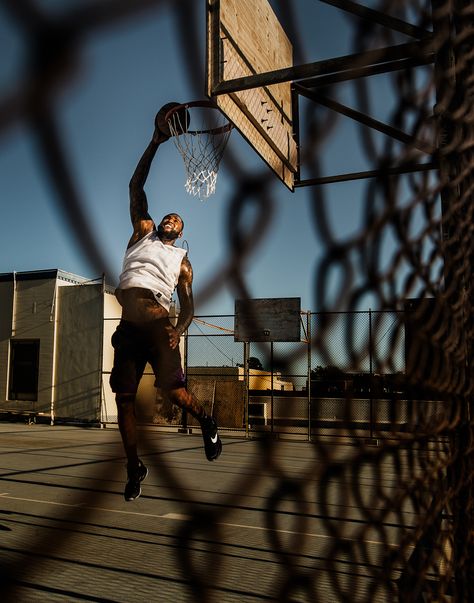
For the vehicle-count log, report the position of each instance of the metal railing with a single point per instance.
(249, 389)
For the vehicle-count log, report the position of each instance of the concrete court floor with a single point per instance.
(238, 529)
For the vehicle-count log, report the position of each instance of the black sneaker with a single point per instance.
(135, 476)
(212, 441)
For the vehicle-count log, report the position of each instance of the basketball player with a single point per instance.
(152, 268)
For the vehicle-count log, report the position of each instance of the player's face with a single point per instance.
(170, 227)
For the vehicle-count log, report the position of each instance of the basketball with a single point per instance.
(180, 119)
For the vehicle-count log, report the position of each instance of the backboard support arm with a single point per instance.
(370, 58)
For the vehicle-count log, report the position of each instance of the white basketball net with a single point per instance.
(201, 149)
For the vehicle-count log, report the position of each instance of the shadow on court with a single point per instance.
(233, 530)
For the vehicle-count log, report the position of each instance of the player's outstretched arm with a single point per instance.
(141, 219)
(186, 302)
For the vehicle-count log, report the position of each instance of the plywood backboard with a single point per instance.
(268, 319)
(245, 38)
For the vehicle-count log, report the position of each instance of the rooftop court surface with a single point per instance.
(228, 531)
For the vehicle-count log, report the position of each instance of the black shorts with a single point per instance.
(134, 346)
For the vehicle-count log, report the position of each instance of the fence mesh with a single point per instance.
(425, 517)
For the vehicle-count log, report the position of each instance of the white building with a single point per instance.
(55, 350)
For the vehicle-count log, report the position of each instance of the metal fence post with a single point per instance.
(246, 345)
(271, 385)
(308, 387)
(184, 414)
(371, 380)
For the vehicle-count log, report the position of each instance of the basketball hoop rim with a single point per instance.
(207, 105)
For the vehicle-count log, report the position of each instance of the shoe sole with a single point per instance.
(135, 497)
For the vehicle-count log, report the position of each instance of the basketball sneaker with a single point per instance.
(135, 476)
(212, 441)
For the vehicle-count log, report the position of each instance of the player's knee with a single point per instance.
(125, 402)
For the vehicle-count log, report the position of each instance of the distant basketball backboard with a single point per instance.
(245, 38)
(277, 319)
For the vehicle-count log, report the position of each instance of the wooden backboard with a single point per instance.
(268, 319)
(245, 38)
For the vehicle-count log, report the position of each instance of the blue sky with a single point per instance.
(127, 72)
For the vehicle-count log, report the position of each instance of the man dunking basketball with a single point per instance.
(152, 268)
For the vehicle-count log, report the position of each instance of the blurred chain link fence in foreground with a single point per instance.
(427, 520)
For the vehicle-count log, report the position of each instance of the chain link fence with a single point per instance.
(426, 518)
(368, 393)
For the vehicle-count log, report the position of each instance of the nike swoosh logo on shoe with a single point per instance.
(214, 439)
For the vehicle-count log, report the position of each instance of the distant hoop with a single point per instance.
(202, 146)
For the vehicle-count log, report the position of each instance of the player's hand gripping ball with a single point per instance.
(179, 119)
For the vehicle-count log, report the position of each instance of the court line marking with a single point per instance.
(182, 517)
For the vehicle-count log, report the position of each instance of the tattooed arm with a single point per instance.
(141, 220)
(186, 303)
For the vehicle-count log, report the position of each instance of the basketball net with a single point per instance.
(201, 149)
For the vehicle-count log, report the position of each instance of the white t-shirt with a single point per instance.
(151, 264)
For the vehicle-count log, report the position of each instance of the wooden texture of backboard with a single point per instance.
(245, 38)
(268, 319)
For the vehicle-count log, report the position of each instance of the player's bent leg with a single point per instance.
(136, 470)
(212, 442)
(182, 398)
